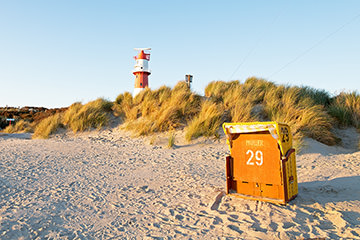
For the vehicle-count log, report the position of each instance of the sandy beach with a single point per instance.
(107, 185)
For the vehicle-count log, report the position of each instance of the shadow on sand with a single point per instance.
(331, 204)
(15, 135)
(335, 190)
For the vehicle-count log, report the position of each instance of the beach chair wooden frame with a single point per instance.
(261, 164)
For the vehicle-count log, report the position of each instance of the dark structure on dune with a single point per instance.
(27, 113)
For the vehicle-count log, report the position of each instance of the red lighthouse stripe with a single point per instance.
(141, 79)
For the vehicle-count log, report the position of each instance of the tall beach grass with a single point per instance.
(77, 117)
(206, 123)
(345, 108)
(48, 126)
(161, 110)
(309, 112)
(256, 99)
(85, 117)
(21, 126)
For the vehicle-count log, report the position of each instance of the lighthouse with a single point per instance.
(141, 70)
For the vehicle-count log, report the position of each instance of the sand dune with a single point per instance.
(103, 185)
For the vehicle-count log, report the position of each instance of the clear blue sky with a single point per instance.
(54, 53)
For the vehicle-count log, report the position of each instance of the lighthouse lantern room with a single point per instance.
(141, 70)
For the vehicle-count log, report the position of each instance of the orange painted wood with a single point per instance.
(258, 145)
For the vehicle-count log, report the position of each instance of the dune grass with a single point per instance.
(217, 89)
(161, 110)
(239, 103)
(305, 109)
(48, 126)
(171, 139)
(206, 123)
(77, 117)
(85, 117)
(122, 106)
(256, 99)
(309, 112)
(305, 118)
(319, 96)
(345, 108)
(21, 126)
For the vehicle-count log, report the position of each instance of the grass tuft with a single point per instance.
(171, 140)
(288, 105)
(319, 96)
(302, 108)
(161, 110)
(218, 89)
(345, 108)
(206, 123)
(91, 115)
(21, 126)
(48, 126)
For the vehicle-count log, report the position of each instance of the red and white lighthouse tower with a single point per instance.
(141, 70)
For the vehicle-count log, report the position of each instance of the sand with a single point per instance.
(106, 185)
